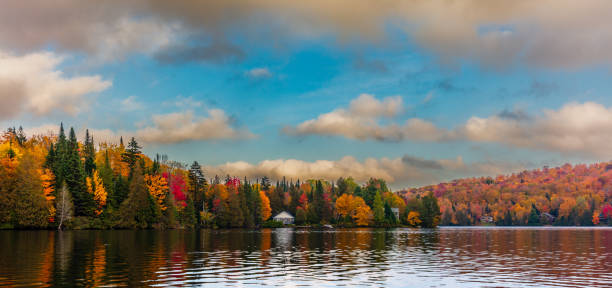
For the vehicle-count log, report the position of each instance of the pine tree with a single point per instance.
(300, 216)
(188, 215)
(131, 154)
(139, 210)
(106, 173)
(74, 175)
(20, 136)
(389, 216)
(156, 168)
(534, 218)
(430, 212)
(120, 191)
(198, 186)
(89, 153)
(235, 213)
(379, 210)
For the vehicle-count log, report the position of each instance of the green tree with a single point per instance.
(139, 210)
(300, 216)
(430, 211)
(74, 175)
(235, 214)
(379, 210)
(131, 154)
(188, 215)
(389, 215)
(89, 154)
(534, 218)
(198, 186)
(106, 173)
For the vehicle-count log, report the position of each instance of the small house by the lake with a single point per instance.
(284, 217)
(395, 212)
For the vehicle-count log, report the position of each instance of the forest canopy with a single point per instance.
(57, 182)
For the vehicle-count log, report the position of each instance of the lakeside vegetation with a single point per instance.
(57, 182)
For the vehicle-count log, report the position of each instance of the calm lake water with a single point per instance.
(445, 257)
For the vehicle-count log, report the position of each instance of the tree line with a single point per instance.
(59, 182)
(570, 195)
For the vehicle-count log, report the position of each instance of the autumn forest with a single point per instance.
(58, 182)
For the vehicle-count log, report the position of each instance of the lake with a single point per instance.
(444, 257)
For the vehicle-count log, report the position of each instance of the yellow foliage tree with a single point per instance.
(95, 187)
(157, 186)
(413, 218)
(344, 205)
(266, 211)
(47, 179)
(363, 216)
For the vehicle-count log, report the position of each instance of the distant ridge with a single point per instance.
(577, 195)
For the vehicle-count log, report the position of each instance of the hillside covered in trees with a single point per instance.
(49, 181)
(57, 182)
(579, 195)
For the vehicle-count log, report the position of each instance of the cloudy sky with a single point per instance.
(415, 92)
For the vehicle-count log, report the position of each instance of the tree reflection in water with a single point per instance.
(571, 257)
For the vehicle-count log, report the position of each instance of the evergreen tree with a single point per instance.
(235, 214)
(139, 210)
(265, 183)
(389, 215)
(89, 154)
(379, 209)
(534, 218)
(131, 154)
(276, 203)
(188, 214)
(255, 205)
(300, 216)
(156, 168)
(198, 186)
(245, 204)
(106, 173)
(430, 212)
(74, 175)
(20, 136)
(121, 190)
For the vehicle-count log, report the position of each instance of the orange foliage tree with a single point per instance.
(266, 211)
(158, 187)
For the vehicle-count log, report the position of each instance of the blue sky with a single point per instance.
(412, 92)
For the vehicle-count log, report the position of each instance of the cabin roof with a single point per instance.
(283, 214)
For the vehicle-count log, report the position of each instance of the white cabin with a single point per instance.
(284, 217)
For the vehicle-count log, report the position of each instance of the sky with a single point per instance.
(413, 92)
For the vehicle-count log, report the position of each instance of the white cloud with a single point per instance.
(185, 126)
(259, 73)
(34, 83)
(574, 128)
(362, 121)
(130, 103)
(399, 172)
(167, 129)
